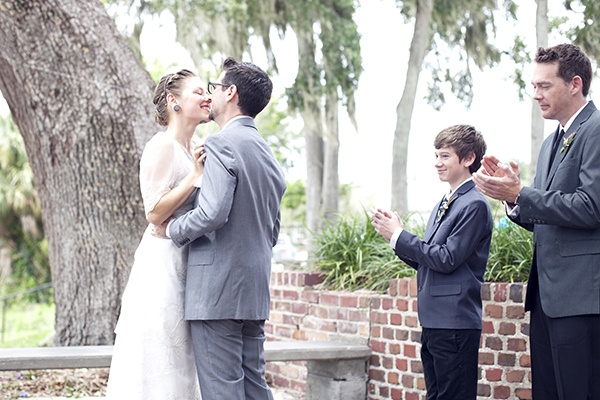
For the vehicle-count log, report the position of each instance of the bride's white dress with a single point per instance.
(153, 355)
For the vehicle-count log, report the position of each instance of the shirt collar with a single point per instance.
(449, 194)
(570, 121)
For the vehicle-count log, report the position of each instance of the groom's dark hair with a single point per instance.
(253, 85)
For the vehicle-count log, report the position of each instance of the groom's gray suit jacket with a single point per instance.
(232, 230)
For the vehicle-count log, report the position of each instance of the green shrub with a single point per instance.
(510, 253)
(353, 256)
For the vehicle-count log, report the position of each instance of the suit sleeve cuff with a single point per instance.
(395, 236)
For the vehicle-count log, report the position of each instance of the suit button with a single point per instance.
(419, 288)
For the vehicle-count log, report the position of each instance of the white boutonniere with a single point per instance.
(443, 208)
(567, 142)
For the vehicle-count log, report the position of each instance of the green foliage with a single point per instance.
(511, 252)
(28, 324)
(353, 256)
(20, 217)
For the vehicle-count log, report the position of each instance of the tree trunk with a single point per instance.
(537, 121)
(418, 47)
(82, 102)
(331, 180)
(311, 114)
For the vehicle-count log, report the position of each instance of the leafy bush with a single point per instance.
(354, 256)
(510, 253)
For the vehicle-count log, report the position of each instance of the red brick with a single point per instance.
(484, 390)
(421, 383)
(516, 345)
(410, 350)
(394, 348)
(374, 360)
(396, 319)
(524, 394)
(402, 364)
(387, 304)
(375, 303)
(377, 346)
(494, 343)
(392, 378)
(291, 295)
(408, 381)
(416, 366)
(393, 288)
(330, 299)
(396, 394)
(486, 292)
(310, 296)
(493, 311)
(412, 287)
(493, 374)
(387, 363)
(403, 287)
(313, 278)
(507, 328)
(387, 333)
(402, 335)
(377, 375)
(516, 292)
(412, 396)
(525, 361)
(515, 312)
(348, 301)
(488, 327)
(379, 318)
(300, 308)
(501, 392)
(401, 305)
(486, 358)
(411, 321)
(515, 375)
(318, 311)
(500, 290)
(506, 360)
(375, 331)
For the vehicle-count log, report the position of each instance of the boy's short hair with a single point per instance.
(465, 140)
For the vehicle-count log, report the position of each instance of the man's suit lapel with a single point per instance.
(573, 129)
(434, 223)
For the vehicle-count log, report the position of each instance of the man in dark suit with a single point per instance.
(450, 261)
(231, 234)
(562, 208)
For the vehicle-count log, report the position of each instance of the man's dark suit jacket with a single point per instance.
(451, 261)
(562, 208)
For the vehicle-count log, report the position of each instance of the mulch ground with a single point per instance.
(59, 383)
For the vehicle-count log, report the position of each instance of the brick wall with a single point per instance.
(388, 322)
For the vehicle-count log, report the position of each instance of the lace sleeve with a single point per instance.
(157, 170)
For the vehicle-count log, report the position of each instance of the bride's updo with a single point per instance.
(170, 83)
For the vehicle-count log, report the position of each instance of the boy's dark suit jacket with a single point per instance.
(563, 210)
(451, 261)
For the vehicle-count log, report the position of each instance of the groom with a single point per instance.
(231, 234)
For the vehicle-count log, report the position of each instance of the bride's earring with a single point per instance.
(176, 108)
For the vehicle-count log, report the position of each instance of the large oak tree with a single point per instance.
(82, 102)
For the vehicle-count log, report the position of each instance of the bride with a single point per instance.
(153, 356)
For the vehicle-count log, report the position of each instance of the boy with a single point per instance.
(450, 263)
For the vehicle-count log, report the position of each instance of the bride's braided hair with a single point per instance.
(170, 83)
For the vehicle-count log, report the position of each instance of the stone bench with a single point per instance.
(335, 370)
